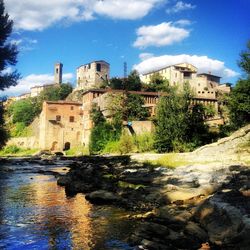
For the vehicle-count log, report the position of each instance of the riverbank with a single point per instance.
(180, 208)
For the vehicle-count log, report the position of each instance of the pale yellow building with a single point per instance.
(60, 125)
(204, 85)
(92, 74)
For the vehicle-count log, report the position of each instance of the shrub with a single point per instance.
(144, 142)
(112, 147)
(11, 149)
(126, 144)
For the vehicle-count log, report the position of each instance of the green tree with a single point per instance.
(24, 111)
(8, 57)
(179, 124)
(134, 82)
(157, 84)
(239, 100)
(239, 104)
(244, 61)
(55, 93)
(103, 131)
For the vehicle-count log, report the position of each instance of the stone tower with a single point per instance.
(58, 73)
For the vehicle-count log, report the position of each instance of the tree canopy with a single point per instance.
(239, 100)
(8, 51)
(8, 57)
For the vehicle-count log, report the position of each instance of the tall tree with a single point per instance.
(8, 55)
(8, 51)
(239, 101)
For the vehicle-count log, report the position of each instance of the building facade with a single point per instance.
(204, 85)
(60, 125)
(92, 75)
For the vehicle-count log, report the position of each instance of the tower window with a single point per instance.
(58, 118)
(57, 71)
(72, 108)
(98, 67)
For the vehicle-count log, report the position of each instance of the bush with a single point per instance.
(126, 144)
(144, 142)
(112, 147)
(11, 149)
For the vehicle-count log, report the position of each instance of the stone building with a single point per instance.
(204, 85)
(58, 73)
(60, 125)
(92, 75)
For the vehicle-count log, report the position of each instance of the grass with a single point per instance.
(77, 151)
(123, 184)
(16, 151)
(170, 160)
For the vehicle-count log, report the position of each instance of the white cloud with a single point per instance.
(203, 63)
(159, 35)
(180, 6)
(144, 56)
(32, 80)
(183, 22)
(38, 15)
(129, 9)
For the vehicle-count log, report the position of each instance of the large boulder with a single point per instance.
(102, 197)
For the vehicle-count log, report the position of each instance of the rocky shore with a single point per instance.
(191, 207)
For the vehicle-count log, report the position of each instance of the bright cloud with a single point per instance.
(32, 80)
(180, 6)
(159, 35)
(203, 63)
(38, 15)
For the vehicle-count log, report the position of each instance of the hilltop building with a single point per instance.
(36, 90)
(92, 75)
(204, 85)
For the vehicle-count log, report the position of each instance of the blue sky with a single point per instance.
(147, 34)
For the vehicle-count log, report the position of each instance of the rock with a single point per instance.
(222, 221)
(194, 230)
(102, 197)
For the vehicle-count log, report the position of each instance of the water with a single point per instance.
(35, 213)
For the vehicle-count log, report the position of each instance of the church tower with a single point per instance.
(58, 73)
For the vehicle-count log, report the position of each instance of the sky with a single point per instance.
(146, 34)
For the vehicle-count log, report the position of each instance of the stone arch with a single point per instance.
(67, 146)
(54, 146)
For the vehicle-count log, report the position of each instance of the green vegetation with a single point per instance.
(77, 151)
(123, 184)
(8, 56)
(239, 101)
(179, 125)
(157, 84)
(170, 160)
(102, 132)
(13, 150)
(22, 113)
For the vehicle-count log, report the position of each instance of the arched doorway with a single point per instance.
(54, 146)
(67, 146)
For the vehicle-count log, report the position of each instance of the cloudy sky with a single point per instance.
(147, 34)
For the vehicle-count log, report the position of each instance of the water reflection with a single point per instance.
(36, 214)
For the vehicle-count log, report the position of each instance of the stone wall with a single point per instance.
(24, 142)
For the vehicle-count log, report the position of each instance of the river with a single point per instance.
(35, 213)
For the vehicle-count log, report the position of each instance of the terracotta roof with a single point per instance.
(122, 91)
(64, 102)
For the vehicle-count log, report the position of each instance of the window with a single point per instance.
(98, 67)
(58, 118)
(72, 108)
(89, 66)
(71, 119)
(57, 71)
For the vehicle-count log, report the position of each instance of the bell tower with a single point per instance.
(58, 73)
